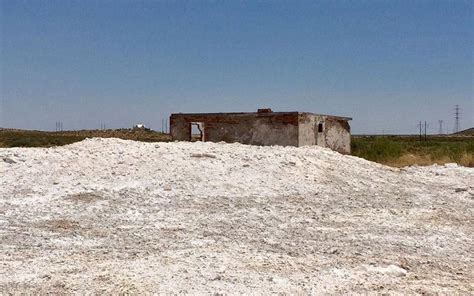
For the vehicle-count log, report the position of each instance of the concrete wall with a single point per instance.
(276, 128)
(247, 128)
(307, 132)
(335, 132)
(337, 135)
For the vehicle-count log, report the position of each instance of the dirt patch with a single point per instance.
(85, 197)
(59, 225)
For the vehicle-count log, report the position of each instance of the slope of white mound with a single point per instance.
(108, 215)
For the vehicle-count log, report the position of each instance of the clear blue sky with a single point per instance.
(387, 64)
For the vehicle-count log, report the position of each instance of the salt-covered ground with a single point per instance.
(111, 216)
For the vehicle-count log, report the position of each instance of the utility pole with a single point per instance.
(457, 117)
(419, 124)
(425, 130)
(59, 126)
(440, 132)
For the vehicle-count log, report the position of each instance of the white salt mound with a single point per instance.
(116, 216)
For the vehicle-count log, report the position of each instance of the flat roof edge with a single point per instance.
(262, 113)
(326, 115)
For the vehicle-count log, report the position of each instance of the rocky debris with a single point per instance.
(9, 160)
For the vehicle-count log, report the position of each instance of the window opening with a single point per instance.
(320, 127)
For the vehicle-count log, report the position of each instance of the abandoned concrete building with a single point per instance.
(264, 127)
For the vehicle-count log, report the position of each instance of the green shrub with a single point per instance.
(376, 148)
(387, 149)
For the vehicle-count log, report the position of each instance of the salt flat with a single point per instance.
(111, 216)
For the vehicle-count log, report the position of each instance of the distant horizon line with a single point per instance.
(131, 128)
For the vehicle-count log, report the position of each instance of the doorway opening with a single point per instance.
(197, 131)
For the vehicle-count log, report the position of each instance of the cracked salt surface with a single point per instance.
(111, 216)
